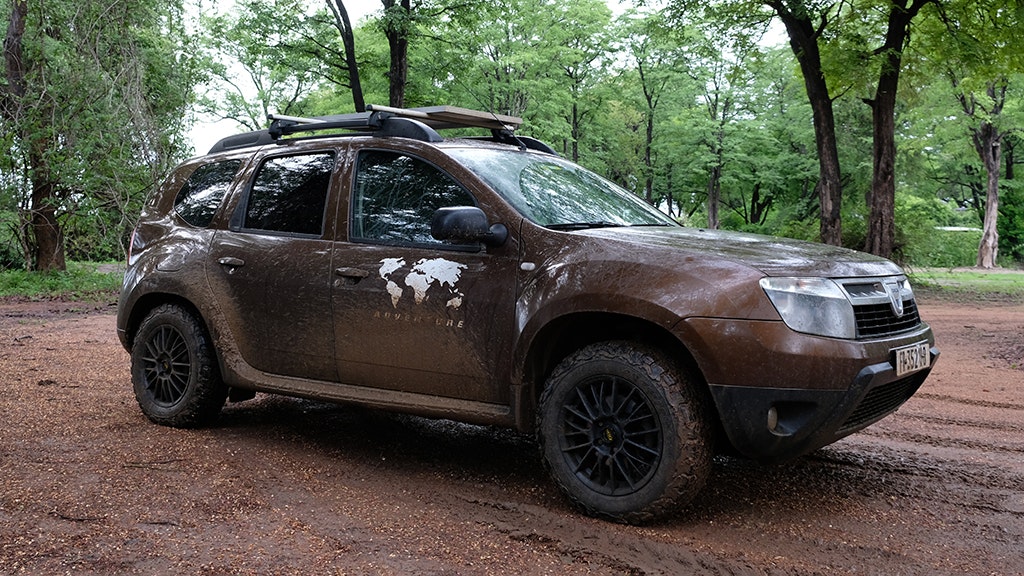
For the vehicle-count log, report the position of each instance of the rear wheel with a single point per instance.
(174, 370)
(622, 433)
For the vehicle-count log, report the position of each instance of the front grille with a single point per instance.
(880, 401)
(878, 320)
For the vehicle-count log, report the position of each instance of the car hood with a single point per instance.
(771, 255)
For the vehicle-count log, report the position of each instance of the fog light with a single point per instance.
(773, 419)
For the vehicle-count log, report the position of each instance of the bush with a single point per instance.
(1011, 222)
(11, 257)
(927, 234)
(945, 248)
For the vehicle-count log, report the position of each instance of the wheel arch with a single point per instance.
(149, 302)
(566, 334)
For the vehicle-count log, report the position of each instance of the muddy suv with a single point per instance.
(365, 259)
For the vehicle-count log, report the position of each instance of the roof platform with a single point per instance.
(384, 121)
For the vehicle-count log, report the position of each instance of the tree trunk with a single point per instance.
(397, 18)
(881, 239)
(715, 178)
(47, 240)
(574, 132)
(714, 196)
(987, 143)
(758, 207)
(648, 155)
(803, 40)
(344, 26)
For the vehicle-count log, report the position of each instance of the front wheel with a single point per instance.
(622, 433)
(174, 369)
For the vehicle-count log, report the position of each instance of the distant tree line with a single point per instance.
(867, 123)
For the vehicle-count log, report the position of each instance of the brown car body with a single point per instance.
(473, 330)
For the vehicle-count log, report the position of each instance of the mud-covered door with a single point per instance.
(412, 313)
(271, 271)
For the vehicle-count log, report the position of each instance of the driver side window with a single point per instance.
(396, 196)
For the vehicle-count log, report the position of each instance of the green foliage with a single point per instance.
(1011, 221)
(674, 107)
(11, 255)
(925, 236)
(97, 119)
(81, 281)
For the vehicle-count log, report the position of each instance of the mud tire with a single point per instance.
(622, 433)
(174, 369)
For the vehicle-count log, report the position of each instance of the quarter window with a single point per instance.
(396, 196)
(199, 198)
(289, 194)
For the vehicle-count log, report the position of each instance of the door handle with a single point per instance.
(352, 273)
(231, 262)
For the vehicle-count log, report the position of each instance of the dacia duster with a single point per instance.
(363, 258)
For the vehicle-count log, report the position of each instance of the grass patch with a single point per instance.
(88, 281)
(970, 283)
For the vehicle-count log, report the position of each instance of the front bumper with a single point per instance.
(780, 394)
(777, 424)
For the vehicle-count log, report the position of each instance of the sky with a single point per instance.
(359, 9)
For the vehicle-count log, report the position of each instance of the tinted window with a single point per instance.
(290, 193)
(396, 197)
(199, 198)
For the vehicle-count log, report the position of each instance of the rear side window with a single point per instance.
(199, 198)
(289, 194)
(396, 197)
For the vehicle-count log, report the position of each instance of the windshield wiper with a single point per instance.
(583, 225)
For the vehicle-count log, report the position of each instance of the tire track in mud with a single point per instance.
(979, 424)
(942, 442)
(970, 401)
(883, 463)
(621, 549)
(964, 497)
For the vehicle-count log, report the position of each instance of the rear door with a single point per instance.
(271, 270)
(412, 313)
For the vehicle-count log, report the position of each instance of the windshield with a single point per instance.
(556, 193)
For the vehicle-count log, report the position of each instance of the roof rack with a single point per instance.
(416, 123)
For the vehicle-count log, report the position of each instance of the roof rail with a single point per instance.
(417, 123)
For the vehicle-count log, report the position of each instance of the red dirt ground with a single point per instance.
(284, 486)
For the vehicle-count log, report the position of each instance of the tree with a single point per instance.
(345, 30)
(984, 109)
(259, 62)
(91, 103)
(980, 50)
(657, 59)
(882, 197)
(585, 37)
(504, 56)
(806, 22)
(397, 24)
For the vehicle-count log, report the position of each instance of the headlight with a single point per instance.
(812, 306)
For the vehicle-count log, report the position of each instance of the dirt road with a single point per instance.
(282, 486)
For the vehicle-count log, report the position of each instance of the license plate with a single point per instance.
(912, 358)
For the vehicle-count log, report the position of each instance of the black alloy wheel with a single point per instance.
(611, 436)
(623, 432)
(174, 369)
(166, 366)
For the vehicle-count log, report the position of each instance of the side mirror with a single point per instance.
(466, 224)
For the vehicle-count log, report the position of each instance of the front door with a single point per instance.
(412, 313)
